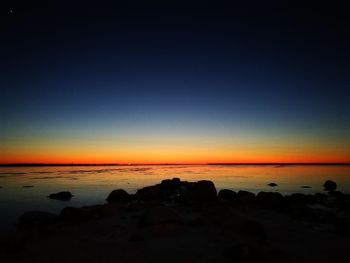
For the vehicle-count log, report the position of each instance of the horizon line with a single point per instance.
(148, 164)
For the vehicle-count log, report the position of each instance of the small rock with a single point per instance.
(226, 194)
(329, 185)
(118, 196)
(306, 186)
(63, 196)
(28, 186)
(272, 184)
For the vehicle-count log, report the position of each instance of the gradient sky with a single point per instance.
(164, 84)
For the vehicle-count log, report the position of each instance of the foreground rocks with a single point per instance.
(182, 191)
(226, 194)
(177, 221)
(117, 196)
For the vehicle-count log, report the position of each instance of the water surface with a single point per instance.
(27, 188)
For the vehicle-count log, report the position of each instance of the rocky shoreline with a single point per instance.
(178, 221)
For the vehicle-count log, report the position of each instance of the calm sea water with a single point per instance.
(92, 184)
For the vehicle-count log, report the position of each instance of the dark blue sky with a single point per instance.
(261, 67)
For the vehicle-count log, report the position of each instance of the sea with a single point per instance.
(26, 188)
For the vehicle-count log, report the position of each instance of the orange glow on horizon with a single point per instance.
(173, 149)
(169, 158)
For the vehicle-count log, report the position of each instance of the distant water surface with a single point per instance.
(27, 188)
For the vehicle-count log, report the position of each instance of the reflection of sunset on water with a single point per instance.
(289, 178)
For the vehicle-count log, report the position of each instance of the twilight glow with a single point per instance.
(177, 89)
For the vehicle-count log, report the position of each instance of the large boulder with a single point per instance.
(245, 196)
(301, 199)
(226, 194)
(168, 189)
(271, 200)
(63, 196)
(177, 190)
(32, 219)
(171, 188)
(171, 183)
(330, 185)
(201, 191)
(118, 196)
(149, 193)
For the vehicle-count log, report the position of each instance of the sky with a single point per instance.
(174, 84)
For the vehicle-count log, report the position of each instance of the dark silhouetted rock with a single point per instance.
(271, 200)
(36, 219)
(168, 189)
(245, 196)
(226, 194)
(149, 193)
(171, 183)
(28, 186)
(176, 190)
(171, 189)
(76, 215)
(63, 196)
(299, 198)
(272, 184)
(329, 185)
(161, 215)
(118, 196)
(320, 197)
(336, 194)
(305, 186)
(201, 191)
